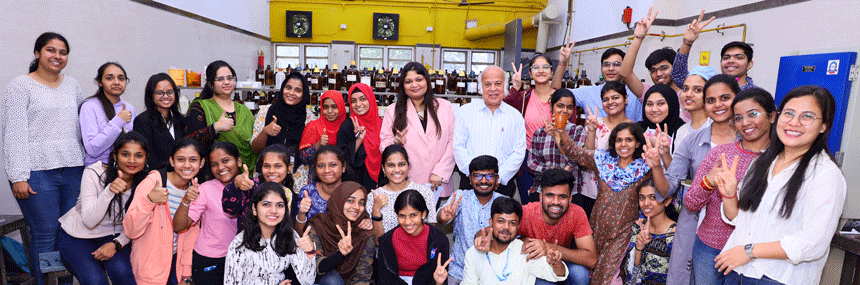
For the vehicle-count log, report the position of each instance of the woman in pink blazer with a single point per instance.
(424, 125)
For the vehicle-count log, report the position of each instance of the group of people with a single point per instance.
(670, 183)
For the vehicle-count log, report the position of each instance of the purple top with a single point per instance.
(99, 133)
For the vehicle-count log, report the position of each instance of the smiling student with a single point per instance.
(358, 137)
(162, 124)
(105, 115)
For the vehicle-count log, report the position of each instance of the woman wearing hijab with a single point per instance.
(284, 121)
(323, 131)
(344, 251)
(358, 137)
(661, 118)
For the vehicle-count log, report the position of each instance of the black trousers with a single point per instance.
(206, 270)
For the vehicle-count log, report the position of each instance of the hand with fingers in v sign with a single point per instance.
(345, 243)
(448, 212)
(242, 181)
(359, 132)
(694, 28)
(305, 243)
(441, 274)
(643, 238)
(591, 119)
(644, 24)
(400, 136)
(651, 154)
(663, 142)
(564, 51)
(517, 76)
(726, 180)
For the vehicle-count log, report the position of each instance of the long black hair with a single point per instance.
(348, 174)
(174, 116)
(211, 73)
(411, 198)
(41, 42)
(635, 130)
(284, 243)
(670, 210)
(756, 178)
(724, 79)
(100, 93)
(387, 152)
(429, 99)
(281, 151)
(110, 174)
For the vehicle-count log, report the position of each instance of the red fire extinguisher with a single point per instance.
(627, 16)
(260, 60)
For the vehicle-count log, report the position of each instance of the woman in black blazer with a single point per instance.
(162, 123)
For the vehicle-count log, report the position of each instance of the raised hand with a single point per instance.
(400, 136)
(224, 123)
(192, 192)
(566, 48)
(345, 243)
(242, 181)
(441, 274)
(125, 115)
(482, 240)
(591, 119)
(323, 138)
(305, 204)
(119, 185)
(651, 154)
(643, 25)
(695, 27)
(158, 195)
(644, 236)
(726, 180)
(304, 242)
(712, 175)
(517, 76)
(448, 212)
(663, 142)
(273, 129)
(358, 130)
(379, 200)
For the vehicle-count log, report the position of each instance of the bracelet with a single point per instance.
(375, 218)
(706, 184)
(688, 44)
(642, 37)
(727, 197)
(305, 221)
(183, 203)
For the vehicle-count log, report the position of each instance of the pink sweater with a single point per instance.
(150, 227)
(713, 231)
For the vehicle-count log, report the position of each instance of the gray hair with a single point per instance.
(504, 80)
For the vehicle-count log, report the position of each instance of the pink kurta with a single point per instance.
(428, 153)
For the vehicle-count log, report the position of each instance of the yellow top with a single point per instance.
(335, 66)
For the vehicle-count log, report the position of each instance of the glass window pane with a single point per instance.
(370, 63)
(477, 68)
(284, 62)
(316, 62)
(291, 51)
(458, 56)
(399, 53)
(483, 57)
(397, 64)
(454, 66)
(370, 52)
(316, 51)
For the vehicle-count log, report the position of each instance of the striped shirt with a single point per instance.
(174, 197)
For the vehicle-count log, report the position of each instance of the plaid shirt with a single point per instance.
(544, 153)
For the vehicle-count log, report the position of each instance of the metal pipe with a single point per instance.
(493, 29)
(703, 31)
(579, 60)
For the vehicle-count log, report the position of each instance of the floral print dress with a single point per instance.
(616, 208)
(654, 265)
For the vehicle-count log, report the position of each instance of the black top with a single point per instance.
(354, 158)
(387, 267)
(158, 139)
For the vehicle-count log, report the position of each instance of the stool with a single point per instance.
(8, 224)
(52, 267)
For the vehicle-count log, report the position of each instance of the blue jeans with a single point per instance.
(703, 264)
(577, 275)
(735, 278)
(330, 278)
(524, 181)
(57, 191)
(77, 258)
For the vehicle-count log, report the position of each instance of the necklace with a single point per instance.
(504, 274)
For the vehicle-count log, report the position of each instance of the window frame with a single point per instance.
(469, 59)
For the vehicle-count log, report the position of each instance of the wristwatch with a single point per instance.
(375, 218)
(748, 249)
(117, 246)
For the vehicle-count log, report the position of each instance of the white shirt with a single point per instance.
(389, 217)
(481, 270)
(501, 134)
(804, 236)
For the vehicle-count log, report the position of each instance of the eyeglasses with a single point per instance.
(806, 118)
(660, 68)
(222, 78)
(168, 93)
(479, 176)
(751, 115)
(541, 67)
(615, 64)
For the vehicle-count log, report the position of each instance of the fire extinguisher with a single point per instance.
(627, 16)
(260, 60)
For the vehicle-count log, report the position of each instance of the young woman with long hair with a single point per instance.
(273, 165)
(162, 124)
(42, 150)
(105, 115)
(380, 205)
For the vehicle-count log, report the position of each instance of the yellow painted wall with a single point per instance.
(447, 19)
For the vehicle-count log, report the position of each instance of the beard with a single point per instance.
(490, 190)
(502, 241)
(554, 216)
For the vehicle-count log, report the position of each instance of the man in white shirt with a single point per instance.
(491, 127)
(504, 263)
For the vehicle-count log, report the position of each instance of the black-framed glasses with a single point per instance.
(751, 115)
(480, 176)
(660, 68)
(168, 93)
(806, 118)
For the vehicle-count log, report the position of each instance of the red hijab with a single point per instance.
(315, 129)
(372, 124)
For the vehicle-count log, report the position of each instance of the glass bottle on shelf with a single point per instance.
(237, 97)
(526, 81)
(334, 79)
(260, 74)
(583, 80)
(315, 80)
(452, 81)
(395, 80)
(270, 75)
(289, 69)
(567, 82)
(461, 83)
(472, 84)
(433, 77)
(315, 97)
(262, 99)
(380, 82)
(366, 77)
(441, 82)
(271, 96)
(351, 75)
(324, 79)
